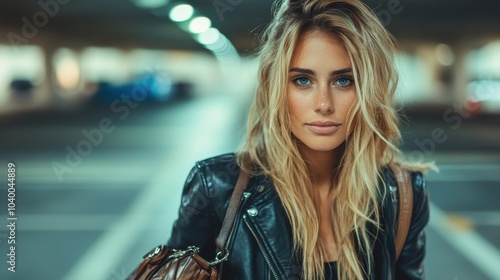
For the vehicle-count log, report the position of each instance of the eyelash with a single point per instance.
(296, 81)
(350, 79)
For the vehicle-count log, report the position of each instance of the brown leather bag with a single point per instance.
(163, 263)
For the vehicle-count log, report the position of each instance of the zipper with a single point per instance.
(266, 257)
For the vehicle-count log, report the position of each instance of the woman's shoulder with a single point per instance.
(417, 177)
(217, 159)
(417, 180)
(217, 173)
(224, 165)
(215, 177)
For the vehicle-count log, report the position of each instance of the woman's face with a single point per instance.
(320, 91)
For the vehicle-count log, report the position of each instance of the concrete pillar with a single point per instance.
(460, 75)
(426, 54)
(48, 96)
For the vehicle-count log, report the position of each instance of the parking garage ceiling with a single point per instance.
(79, 23)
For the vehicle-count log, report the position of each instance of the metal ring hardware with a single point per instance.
(219, 258)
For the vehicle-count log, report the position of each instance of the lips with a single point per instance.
(323, 127)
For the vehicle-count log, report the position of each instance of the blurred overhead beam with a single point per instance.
(77, 23)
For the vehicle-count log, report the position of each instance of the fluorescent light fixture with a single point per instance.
(67, 70)
(151, 4)
(208, 37)
(218, 45)
(181, 12)
(445, 55)
(199, 24)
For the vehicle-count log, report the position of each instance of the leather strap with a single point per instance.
(405, 206)
(228, 223)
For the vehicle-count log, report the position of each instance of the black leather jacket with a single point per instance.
(261, 244)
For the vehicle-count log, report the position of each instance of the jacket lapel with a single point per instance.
(265, 217)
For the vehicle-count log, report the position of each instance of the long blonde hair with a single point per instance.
(373, 143)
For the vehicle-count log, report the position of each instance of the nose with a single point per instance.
(324, 101)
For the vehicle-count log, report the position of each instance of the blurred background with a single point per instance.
(106, 105)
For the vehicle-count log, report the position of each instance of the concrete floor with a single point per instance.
(92, 215)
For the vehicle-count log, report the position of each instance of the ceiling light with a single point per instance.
(150, 4)
(445, 55)
(181, 12)
(199, 24)
(208, 37)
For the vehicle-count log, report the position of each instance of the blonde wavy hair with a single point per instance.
(373, 143)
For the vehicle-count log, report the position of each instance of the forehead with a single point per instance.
(320, 49)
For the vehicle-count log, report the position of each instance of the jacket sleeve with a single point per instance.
(410, 263)
(193, 226)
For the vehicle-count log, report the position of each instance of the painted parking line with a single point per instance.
(216, 121)
(484, 255)
(469, 173)
(470, 167)
(482, 218)
(109, 249)
(76, 222)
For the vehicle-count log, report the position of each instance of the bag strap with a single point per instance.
(228, 223)
(405, 206)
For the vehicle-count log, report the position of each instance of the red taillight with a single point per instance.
(473, 107)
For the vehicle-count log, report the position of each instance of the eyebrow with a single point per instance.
(311, 72)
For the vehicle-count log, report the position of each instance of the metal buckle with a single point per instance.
(219, 258)
(191, 250)
(156, 251)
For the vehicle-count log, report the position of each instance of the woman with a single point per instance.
(321, 134)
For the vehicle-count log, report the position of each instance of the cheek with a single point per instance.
(347, 104)
(293, 107)
(297, 104)
(348, 112)
(296, 112)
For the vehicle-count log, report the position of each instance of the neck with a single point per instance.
(322, 166)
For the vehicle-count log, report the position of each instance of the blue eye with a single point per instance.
(344, 82)
(302, 81)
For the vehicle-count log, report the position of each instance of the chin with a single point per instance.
(322, 146)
